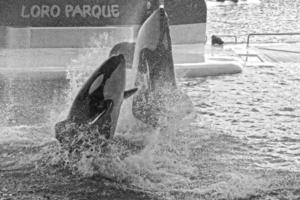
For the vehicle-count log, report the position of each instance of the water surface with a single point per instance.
(243, 142)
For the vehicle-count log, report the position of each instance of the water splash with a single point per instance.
(146, 158)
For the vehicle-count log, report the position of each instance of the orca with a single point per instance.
(126, 49)
(152, 72)
(97, 104)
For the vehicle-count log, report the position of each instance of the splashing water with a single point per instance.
(188, 158)
(140, 157)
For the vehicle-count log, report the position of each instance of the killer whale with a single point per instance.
(152, 71)
(155, 69)
(97, 104)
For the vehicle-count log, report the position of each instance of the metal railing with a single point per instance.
(266, 34)
(248, 42)
(247, 55)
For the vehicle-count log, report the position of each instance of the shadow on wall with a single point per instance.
(2, 37)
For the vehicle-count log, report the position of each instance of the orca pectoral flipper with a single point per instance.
(129, 93)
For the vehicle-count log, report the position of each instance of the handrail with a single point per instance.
(251, 55)
(232, 36)
(265, 34)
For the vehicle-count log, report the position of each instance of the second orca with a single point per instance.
(151, 66)
(158, 97)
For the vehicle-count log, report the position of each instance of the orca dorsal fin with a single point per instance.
(129, 93)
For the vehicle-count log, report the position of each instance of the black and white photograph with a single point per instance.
(150, 99)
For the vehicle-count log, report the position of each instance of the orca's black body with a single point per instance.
(98, 103)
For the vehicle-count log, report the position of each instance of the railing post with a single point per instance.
(248, 39)
(266, 34)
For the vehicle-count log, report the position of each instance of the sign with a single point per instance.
(74, 13)
(70, 13)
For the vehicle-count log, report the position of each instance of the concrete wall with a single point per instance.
(79, 37)
(83, 37)
(188, 33)
(18, 37)
(186, 17)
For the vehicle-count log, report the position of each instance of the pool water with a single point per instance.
(243, 141)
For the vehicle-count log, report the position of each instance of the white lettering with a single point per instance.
(77, 11)
(115, 10)
(108, 13)
(96, 11)
(55, 11)
(41, 11)
(45, 11)
(23, 12)
(35, 11)
(68, 10)
(87, 10)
